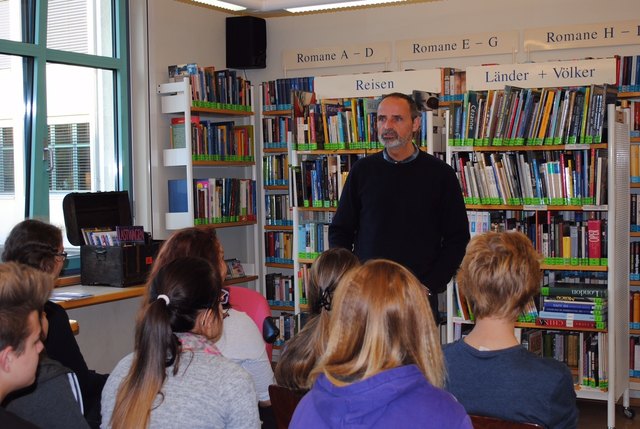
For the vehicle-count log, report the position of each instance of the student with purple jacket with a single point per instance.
(383, 366)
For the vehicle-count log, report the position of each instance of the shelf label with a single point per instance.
(457, 46)
(582, 36)
(540, 75)
(371, 53)
(375, 84)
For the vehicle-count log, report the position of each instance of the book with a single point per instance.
(62, 296)
(589, 290)
(564, 323)
(234, 268)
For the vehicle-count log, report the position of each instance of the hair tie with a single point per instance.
(325, 299)
(164, 297)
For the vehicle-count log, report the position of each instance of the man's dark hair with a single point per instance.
(413, 107)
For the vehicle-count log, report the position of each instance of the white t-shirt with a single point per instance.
(242, 342)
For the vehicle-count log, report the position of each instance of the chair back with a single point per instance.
(484, 422)
(284, 402)
(254, 304)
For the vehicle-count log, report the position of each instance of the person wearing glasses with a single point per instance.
(241, 341)
(39, 245)
(176, 376)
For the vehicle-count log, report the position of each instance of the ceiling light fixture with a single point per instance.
(339, 5)
(222, 5)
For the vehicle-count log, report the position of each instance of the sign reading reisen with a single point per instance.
(376, 84)
(541, 75)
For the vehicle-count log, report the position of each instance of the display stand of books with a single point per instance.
(554, 164)
(207, 175)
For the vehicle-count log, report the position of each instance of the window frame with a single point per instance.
(38, 55)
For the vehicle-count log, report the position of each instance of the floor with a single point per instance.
(593, 415)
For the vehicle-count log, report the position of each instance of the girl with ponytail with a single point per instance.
(176, 377)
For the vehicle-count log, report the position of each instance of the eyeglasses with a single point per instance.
(62, 255)
(224, 297)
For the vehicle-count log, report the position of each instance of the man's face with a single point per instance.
(23, 366)
(395, 126)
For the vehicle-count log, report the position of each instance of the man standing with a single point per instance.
(403, 204)
(23, 292)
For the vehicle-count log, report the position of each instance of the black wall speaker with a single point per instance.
(246, 42)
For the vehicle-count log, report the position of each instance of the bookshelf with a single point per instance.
(512, 204)
(631, 100)
(207, 174)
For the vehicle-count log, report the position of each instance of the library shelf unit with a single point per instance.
(276, 223)
(189, 154)
(634, 284)
(616, 211)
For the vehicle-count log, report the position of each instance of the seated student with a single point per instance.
(39, 245)
(23, 292)
(302, 351)
(176, 377)
(383, 365)
(490, 373)
(241, 341)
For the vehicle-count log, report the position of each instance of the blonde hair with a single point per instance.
(381, 319)
(499, 274)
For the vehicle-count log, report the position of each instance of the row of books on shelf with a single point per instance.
(453, 84)
(313, 239)
(215, 89)
(634, 163)
(289, 325)
(634, 110)
(279, 289)
(585, 353)
(634, 213)
(214, 141)
(634, 260)
(634, 356)
(562, 238)
(216, 200)
(276, 94)
(628, 73)
(634, 310)
(275, 170)
(533, 178)
(345, 123)
(519, 116)
(277, 131)
(318, 181)
(277, 210)
(278, 247)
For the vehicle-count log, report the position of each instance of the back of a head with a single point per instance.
(499, 274)
(193, 242)
(177, 295)
(191, 284)
(326, 272)
(381, 319)
(34, 243)
(22, 290)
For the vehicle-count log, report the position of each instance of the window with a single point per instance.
(7, 184)
(64, 116)
(70, 144)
